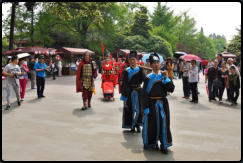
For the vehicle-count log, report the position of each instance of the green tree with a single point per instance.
(234, 46)
(205, 46)
(82, 9)
(162, 15)
(186, 32)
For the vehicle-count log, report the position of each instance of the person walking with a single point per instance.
(85, 77)
(222, 76)
(210, 63)
(77, 64)
(186, 86)
(23, 78)
(204, 64)
(220, 60)
(12, 70)
(60, 68)
(131, 96)
(53, 70)
(193, 80)
(156, 119)
(31, 65)
(211, 76)
(170, 67)
(233, 84)
(39, 68)
(175, 69)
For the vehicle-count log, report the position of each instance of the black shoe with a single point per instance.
(19, 103)
(227, 100)
(214, 99)
(196, 102)
(8, 107)
(138, 128)
(164, 150)
(39, 96)
(133, 130)
(84, 108)
(89, 105)
(157, 147)
(42, 96)
(192, 101)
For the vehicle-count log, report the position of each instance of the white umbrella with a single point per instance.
(23, 55)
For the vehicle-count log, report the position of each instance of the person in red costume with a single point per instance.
(116, 71)
(107, 72)
(86, 74)
(125, 65)
(141, 63)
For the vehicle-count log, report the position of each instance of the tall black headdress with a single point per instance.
(133, 54)
(153, 57)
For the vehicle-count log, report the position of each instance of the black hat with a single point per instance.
(153, 57)
(133, 54)
(41, 57)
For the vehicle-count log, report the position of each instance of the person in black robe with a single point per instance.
(131, 94)
(156, 120)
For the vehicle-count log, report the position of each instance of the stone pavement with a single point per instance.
(55, 128)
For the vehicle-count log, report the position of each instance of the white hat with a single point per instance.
(9, 57)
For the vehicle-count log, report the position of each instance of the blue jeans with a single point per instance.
(212, 92)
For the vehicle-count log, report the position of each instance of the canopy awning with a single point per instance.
(228, 55)
(125, 51)
(79, 51)
(190, 57)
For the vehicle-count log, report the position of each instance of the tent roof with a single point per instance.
(25, 50)
(122, 51)
(67, 50)
(228, 55)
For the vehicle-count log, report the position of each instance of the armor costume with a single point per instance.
(84, 80)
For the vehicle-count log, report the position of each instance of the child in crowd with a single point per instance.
(233, 84)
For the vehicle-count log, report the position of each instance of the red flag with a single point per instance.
(110, 56)
(102, 47)
(117, 58)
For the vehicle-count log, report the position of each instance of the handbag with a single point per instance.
(217, 83)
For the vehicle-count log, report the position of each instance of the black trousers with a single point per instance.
(186, 86)
(204, 66)
(53, 73)
(221, 92)
(40, 82)
(193, 87)
(234, 94)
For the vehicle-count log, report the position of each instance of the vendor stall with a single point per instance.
(69, 55)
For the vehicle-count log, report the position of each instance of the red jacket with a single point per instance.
(204, 62)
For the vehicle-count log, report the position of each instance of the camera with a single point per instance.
(15, 75)
(46, 70)
(167, 62)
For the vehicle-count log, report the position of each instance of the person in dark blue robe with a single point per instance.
(156, 120)
(131, 94)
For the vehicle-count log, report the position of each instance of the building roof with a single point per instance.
(68, 50)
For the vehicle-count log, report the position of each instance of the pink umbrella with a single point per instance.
(190, 57)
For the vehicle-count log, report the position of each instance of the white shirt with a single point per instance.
(60, 64)
(155, 73)
(52, 65)
(210, 64)
(193, 74)
(25, 63)
(107, 65)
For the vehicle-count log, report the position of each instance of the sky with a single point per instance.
(220, 18)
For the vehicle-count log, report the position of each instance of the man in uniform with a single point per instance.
(156, 120)
(131, 94)
(86, 74)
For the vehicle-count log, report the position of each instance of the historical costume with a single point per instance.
(84, 80)
(141, 63)
(107, 85)
(116, 72)
(156, 120)
(122, 70)
(131, 95)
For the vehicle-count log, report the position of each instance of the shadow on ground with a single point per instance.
(134, 142)
(83, 113)
(197, 106)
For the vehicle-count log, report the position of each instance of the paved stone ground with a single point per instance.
(54, 128)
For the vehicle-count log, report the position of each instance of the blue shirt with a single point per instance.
(40, 66)
(220, 62)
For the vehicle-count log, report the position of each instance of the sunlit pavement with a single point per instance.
(55, 127)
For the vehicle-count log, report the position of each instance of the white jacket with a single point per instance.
(193, 74)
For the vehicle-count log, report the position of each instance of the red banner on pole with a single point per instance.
(102, 47)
